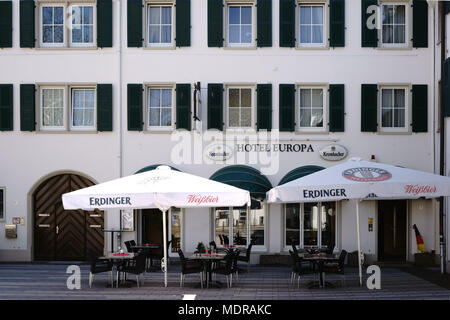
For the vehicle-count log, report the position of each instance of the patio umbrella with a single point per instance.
(161, 188)
(360, 180)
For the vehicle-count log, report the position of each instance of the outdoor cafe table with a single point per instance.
(208, 259)
(118, 258)
(320, 260)
(147, 248)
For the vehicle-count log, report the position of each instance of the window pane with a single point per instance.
(292, 224)
(317, 118)
(47, 36)
(328, 224)
(155, 98)
(88, 33)
(386, 118)
(234, 15)
(166, 101)
(388, 34)
(234, 117)
(154, 15)
(166, 15)
(399, 15)
(399, 118)
(317, 98)
(154, 34)
(317, 15)
(305, 98)
(88, 15)
(386, 98)
(221, 224)
(246, 97)
(234, 36)
(310, 224)
(246, 34)
(166, 117)
(399, 98)
(154, 117)
(399, 34)
(246, 117)
(246, 15)
(305, 117)
(256, 223)
(77, 116)
(305, 34)
(77, 35)
(58, 15)
(58, 117)
(388, 14)
(234, 98)
(305, 15)
(47, 15)
(166, 34)
(76, 15)
(317, 34)
(240, 226)
(59, 34)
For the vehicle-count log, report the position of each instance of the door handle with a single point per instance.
(57, 230)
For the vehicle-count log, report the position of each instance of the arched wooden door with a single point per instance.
(65, 234)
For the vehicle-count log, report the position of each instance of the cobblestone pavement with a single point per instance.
(48, 281)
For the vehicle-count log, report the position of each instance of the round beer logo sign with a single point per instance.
(367, 174)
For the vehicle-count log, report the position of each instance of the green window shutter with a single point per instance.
(287, 23)
(27, 107)
(215, 23)
(104, 23)
(264, 23)
(5, 24)
(215, 106)
(337, 108)
(287, 107)
(6, 107)
(183, 111)
(104, 107)
(337, 23)
(445, 94)
(369, 108)
(134, 23)
(419, 108)
(369, 37)
(447, 6)
(420, 24)
(27, 33)
(134, 100)
(183, 23)
(264, 107)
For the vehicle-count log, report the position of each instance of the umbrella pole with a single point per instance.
(359, 242)
(164, 265)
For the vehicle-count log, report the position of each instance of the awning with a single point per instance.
(299, 172)
(244, 177)
(153, 167)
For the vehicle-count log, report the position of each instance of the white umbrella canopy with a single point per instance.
(161, 188)
(361, 180)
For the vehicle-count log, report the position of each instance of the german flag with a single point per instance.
(419, 240)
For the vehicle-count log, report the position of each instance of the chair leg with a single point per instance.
(117, 279)
(112, 279)
(137, 280)
(201, 279)
(91, 279)
(298, 282)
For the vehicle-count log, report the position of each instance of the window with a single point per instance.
(52, 25)
(312, 109)
(311, 225)
(160, 30)
(394, 109)
(79, 25)
(240, 25)
(2, 203)
(240, 225)
(160, 108)
(240, 111)
(311, 24)
(394, 25)
(79, 115)
(82, 32)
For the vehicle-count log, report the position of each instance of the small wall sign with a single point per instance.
(219, 152)
(333, 152)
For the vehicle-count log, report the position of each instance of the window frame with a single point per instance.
(149, 87)
(41, 108)
(94, 26)
(159, 3)
(72, 127)
(3, 206)
(325, 97)
(226, 33)
(226, 108)
(408, 28)
(301, 244)
(408, 113)
(326, 24)
(41, 26)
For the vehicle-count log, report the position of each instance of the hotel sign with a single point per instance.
(333, 152)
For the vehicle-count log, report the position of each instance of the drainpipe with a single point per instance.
(120, 92)
(442, 219)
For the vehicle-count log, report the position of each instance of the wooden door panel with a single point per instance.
(70, 238)
(94, 233)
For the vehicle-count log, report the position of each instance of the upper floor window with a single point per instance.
(312, 111)
(52, 108)
(83, 108)
(394, 110)
(82, 32)
(394, 31)
(240, 111)
(160, 25)
(240, 25)
(311, 23)
(52, 25)
(160, 108)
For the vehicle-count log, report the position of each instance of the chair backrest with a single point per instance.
(294, 248)
(226, 240)
(235, 258)
(133, 243)
(249, 250)
(294, 258)
(229, 259)
(213, 244)
(342, 256)
(140, 262)
(128, 245)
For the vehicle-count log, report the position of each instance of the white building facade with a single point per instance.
(245, 92)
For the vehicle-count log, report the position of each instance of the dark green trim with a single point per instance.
(337, 108)
(445, 93)
(299, 173)
(183, 23)
(337, 23)
(5, 24)
(246, 178)
(369, 37)
(27, 107)
(27, 24)
(287, 107)
(6, 107)
(420, 24)
(104, 107)
(104, 23)
(369, 108)
(264, 107)
(134, 112)
(183, 112)
(215, 106)
(134, 23)
(419, 108)
(287, 23)
(215, 23)
(153, 167)
(264, 23)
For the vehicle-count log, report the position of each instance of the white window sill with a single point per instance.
(67, 48)
(170, 46)
(240, 47)
(394, 132)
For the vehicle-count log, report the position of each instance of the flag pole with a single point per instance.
(359, 242)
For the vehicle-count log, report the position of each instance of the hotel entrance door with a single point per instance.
(392, 230)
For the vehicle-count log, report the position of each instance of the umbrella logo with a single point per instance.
(366, 174)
